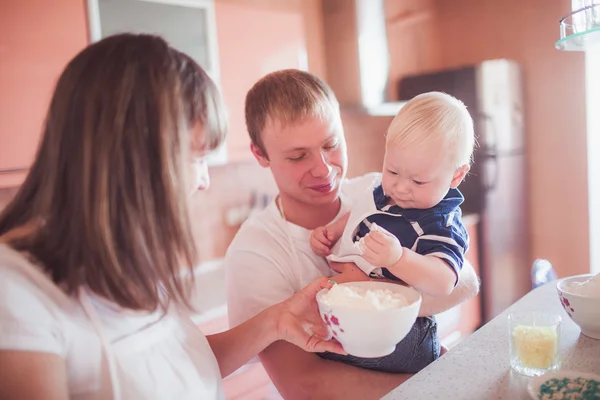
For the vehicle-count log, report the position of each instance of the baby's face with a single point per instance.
(419, 176)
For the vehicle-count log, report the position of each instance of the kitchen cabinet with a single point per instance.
(188, 25)
(252, 42)
(236, 42)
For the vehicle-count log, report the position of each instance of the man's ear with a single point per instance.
(459, 175)
(259, 155)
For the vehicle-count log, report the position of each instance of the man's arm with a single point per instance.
(428, 274)
(301, 375)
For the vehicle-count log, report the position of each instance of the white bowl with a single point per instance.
(534, 385)
(584, 311)
(371, 333)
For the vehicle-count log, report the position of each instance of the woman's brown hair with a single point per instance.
(105, 202)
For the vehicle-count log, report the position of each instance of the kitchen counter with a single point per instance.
(478, 367)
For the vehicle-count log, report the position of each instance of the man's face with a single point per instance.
(308, 160)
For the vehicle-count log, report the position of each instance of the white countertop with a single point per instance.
(478, 368)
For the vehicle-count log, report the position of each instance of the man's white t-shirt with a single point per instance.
(270, 259)
(155, 355)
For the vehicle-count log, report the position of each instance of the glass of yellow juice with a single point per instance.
(534, 339)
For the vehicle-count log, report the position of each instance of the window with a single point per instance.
(188, 25)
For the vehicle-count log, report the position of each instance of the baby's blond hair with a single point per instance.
(435, 116)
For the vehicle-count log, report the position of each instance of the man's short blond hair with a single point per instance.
(435, 116)
(287, 97)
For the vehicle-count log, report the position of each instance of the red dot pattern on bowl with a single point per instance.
(566, 304)
(334, 324)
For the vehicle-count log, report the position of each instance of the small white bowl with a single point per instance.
(583, 310)
(534, 385)
(371, 333)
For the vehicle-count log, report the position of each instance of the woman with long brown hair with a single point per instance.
(95, 246)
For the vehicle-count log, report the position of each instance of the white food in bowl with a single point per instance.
(587, 288)
(581, 302)
(361, 298)
(364, 330)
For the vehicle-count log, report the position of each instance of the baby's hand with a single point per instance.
(382, 249)
(321, 241)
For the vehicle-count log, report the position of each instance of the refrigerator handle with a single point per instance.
(489, 152)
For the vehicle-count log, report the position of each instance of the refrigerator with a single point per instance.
(496, 187)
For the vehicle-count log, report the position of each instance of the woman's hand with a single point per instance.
(295, 320)
(299, 321)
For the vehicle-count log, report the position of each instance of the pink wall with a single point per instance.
(413, 38)
(476, 30)
(253, 42)
(427, 35)
(233, 184)
(37, 39)
(256, 38)
(366, 142)
(313, 25)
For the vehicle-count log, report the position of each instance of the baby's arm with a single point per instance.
(323, 238)
(428, 274)
(434, 267)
